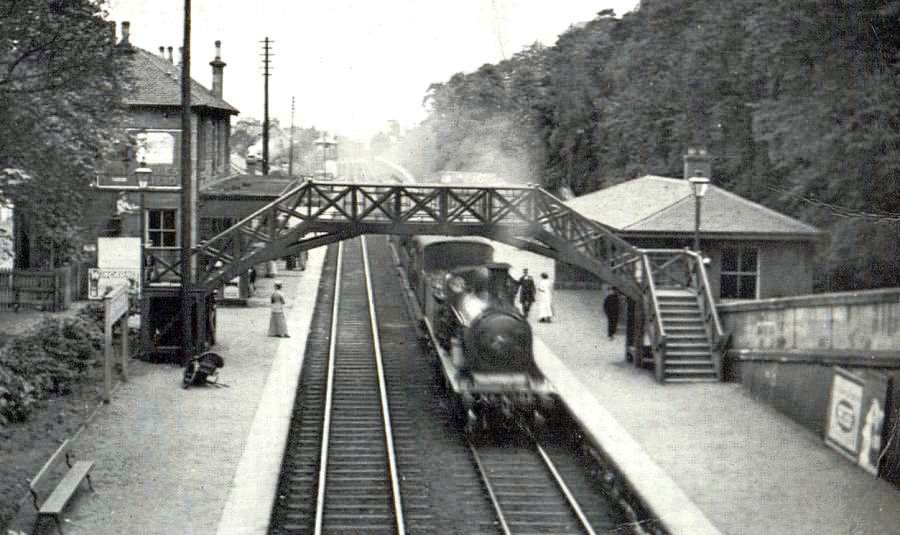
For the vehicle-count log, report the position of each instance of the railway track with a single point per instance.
(338, 475)
(356, 479)
(527, 491)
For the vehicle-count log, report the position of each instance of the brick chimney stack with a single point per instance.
(169, 55)
(126, 34)
(218, 68)
(162, 52)
(697, 163)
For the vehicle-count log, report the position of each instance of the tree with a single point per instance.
(62, 83)
(796, 100)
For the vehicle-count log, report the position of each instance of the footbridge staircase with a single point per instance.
(675, 308)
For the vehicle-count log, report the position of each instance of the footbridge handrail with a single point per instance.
(317, 213)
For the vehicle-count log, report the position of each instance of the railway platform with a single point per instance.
(713, 457)
(165, 457)
(749, 469)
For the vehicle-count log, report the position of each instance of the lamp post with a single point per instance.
(143, 179)
(699, 185)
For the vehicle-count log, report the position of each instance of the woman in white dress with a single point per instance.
(544, 299)
(277, 323)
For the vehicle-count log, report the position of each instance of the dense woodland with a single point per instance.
(797, 100)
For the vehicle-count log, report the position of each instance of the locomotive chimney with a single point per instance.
(500, 283)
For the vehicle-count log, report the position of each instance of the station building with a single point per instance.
(754, 252)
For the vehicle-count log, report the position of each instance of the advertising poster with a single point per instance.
(844, 408)
(856, 416)
(118, 262)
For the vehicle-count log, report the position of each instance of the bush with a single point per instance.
(47, 361)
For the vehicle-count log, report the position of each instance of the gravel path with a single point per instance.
(166, 456)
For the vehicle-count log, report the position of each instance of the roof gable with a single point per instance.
(662, 204)
(156, 82)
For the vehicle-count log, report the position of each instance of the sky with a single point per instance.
(351, 65)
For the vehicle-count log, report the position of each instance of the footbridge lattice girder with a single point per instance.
(320, 213)
(317, 213)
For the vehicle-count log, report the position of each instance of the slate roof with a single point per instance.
(156, 82)
(658, 204)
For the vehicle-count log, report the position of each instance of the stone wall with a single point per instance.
(858, 321)
(784, 352)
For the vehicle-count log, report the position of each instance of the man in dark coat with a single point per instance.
(526, 292)
(611, 309)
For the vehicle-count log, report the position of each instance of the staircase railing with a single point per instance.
(681, 268)
(719, 339)
(656, 330)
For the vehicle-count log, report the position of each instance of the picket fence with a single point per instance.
(42, 290)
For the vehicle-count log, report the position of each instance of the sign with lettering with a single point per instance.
(100, 280)
(844, 408)
(856, 416)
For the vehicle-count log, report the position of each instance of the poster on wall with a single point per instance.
(856, 415)
(118, 262)
(871, 437)
(119, 253)
(844, 407)
(156, 149)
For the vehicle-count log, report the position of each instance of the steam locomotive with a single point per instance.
(483, 344)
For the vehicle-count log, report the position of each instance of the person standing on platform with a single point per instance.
(544, 299)
(526, 292)
(277, 322)
(611, 309)
(252, 279)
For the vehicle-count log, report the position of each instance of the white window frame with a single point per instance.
(738, 272)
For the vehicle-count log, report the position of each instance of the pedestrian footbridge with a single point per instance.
(319, 213)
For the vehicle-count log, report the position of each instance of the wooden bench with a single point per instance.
(64, 490)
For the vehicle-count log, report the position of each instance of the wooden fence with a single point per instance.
(41, 290)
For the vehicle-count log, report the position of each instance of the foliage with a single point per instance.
(46, 361)
(61, 86)
(796, 100)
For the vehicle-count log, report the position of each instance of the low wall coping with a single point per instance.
(862, 297)
(825, 357)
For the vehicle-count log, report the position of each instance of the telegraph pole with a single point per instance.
(266, 73)
(291, 145)
(188, 194)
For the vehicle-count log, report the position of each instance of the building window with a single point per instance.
(740, 273)
(162, 228)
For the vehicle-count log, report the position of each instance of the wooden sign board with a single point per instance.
(115, 304)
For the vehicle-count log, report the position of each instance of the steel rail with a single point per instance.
(565, 490)
(487, 484)
(329, 390)
(382, 387)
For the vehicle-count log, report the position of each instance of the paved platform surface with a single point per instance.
(166, 457)
(175, 461)
(748, 468)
